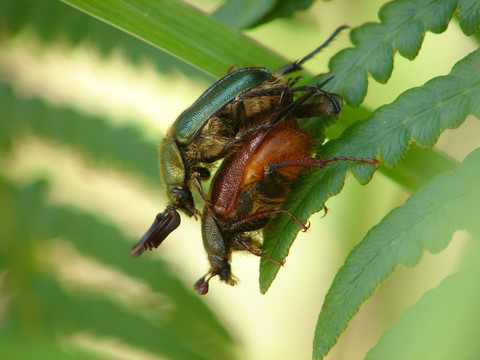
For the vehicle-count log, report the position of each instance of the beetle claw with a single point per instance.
(198, 213)
(260, 253)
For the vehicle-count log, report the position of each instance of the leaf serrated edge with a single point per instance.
(288, 231)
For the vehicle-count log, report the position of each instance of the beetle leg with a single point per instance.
(318, 90)
(240, 243)
(275, 111)
(277, 117)
(320, 163)
(239, 225)
(297, 65)
(198, 213)
(291, 82)
(232, 68)
(281, 89)
(320, 106)
(269, 91)
(196, 176)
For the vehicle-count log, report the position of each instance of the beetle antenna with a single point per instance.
(297, 65)
(321, 47)
(325, 82)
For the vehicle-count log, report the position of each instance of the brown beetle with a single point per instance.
(250, 188)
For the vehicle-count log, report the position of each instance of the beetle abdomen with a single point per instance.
(284, 143)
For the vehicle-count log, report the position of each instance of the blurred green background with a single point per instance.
(82, 109)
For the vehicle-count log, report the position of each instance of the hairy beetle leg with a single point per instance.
(197, 177)
(277, 117)
(281, 89)
(240, 224)
(291, 82)
(318, 90)
(198, 213)
(239, 242)
(320, 163)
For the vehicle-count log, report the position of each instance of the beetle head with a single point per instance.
(182, 199)
(162, 226)
(173, 172)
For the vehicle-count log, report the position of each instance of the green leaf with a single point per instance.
(474, 355)
(426, 221)
(417, 167)
(190, 317)
(158, 335)
(284, 8)
(107, 319)
(181, 31)
(402, 27)
(239, 14)
(179, 326)
(77, 27)
(469, 16)
(419, 114)
(442, 325)
(18, 346)
(95, 137)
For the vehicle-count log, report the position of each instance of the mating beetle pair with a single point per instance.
(243, 108)
(213, 126)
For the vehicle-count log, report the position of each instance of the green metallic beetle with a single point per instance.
(239, 103)
(203, 132)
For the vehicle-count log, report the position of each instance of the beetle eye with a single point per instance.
(181, 194)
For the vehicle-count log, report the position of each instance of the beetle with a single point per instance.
(214, 126)
(249, 189)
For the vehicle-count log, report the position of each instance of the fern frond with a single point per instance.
(418, 115)
(427, 220)
(402, 27)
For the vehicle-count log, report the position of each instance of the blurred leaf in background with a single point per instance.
(83, 106)
(139, 309)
